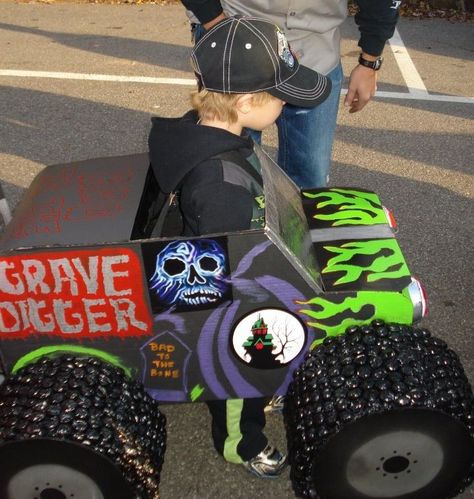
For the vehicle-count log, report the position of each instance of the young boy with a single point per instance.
(246, 73)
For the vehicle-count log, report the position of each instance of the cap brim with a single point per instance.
(306, 88)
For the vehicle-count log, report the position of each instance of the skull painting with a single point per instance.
(190, 273)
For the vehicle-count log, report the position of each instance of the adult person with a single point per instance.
(312, 28)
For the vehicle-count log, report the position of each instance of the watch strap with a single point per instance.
(375, 65)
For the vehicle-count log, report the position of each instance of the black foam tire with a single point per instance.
(384, 411)
(72, 423)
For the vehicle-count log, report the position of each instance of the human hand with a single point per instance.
(207, 26)
(362, 87)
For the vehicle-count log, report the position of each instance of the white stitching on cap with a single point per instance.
(199, 43)
(272, 54)
(226, 78)
(283, 85)
(208, 34)
(264, 39)
(309, 94)
(195, 65)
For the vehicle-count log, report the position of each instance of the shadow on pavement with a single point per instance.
(148, 52)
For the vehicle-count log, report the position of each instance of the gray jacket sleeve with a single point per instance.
(376, 19)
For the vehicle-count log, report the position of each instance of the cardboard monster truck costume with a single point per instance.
(194, 319)
(99, 321)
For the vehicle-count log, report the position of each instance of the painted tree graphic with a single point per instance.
(285, 338)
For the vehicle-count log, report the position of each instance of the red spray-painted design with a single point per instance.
(90, 195)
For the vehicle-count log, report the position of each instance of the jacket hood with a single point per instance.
(177, 145)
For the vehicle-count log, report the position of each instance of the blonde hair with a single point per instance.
(221, 107)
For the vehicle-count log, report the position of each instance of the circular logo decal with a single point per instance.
(268, 338)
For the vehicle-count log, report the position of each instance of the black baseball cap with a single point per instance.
(248, 55)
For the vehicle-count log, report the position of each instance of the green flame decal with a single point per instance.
(350, 207)
(334, 318)
(379, 267)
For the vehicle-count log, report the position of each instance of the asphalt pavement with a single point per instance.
(413, 145)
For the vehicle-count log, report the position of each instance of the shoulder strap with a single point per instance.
(160, 222)
(237, 158)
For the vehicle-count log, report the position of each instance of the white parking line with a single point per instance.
(96, 77)
(416, 90)
(420, 96)
(412, 78)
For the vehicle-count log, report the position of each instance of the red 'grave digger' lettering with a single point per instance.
(84, 293)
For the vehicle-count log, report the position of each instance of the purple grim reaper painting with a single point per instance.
(189, 275)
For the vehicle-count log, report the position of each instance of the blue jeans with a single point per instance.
(305, 137)
(305, 134)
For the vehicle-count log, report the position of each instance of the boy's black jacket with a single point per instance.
(180, 152)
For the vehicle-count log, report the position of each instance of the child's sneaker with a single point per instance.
(268, 464)
(276, 404)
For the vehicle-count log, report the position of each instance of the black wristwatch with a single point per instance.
(375, 65)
